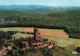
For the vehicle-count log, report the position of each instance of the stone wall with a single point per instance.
(36, 33)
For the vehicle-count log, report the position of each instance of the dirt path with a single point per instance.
(28, 30)
(58, 35)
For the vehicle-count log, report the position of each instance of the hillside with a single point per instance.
(70, 20)
(67, 20)
(36, 8)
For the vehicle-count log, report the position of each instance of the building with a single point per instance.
(36, 33)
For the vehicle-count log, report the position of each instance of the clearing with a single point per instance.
(58, 35)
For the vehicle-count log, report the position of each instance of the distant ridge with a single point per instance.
(36, 8)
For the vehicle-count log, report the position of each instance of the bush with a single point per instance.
(8, 55)
(78, 49)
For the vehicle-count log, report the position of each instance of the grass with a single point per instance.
(59, 40)
(68, 43)
(14, 29)
(18, 35)
(75, 43)
(55, 31)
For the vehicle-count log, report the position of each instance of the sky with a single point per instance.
(41, 2)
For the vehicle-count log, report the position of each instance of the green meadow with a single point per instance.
(68, 43)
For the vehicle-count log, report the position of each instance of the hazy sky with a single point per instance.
(42, 2)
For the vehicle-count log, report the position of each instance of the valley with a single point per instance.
(58, 35)
(38, 30)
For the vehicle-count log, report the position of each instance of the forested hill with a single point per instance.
(36, 8)
(70, 20)
(67, 20)
(31, 8)
(7, 13)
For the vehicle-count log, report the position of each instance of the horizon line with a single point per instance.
(36, 5)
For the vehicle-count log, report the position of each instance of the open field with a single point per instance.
(50, 32)
(18, 35)
(69, 43)
(57, 35)
(14, 29)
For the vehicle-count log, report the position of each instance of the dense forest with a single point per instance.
(68, 20)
